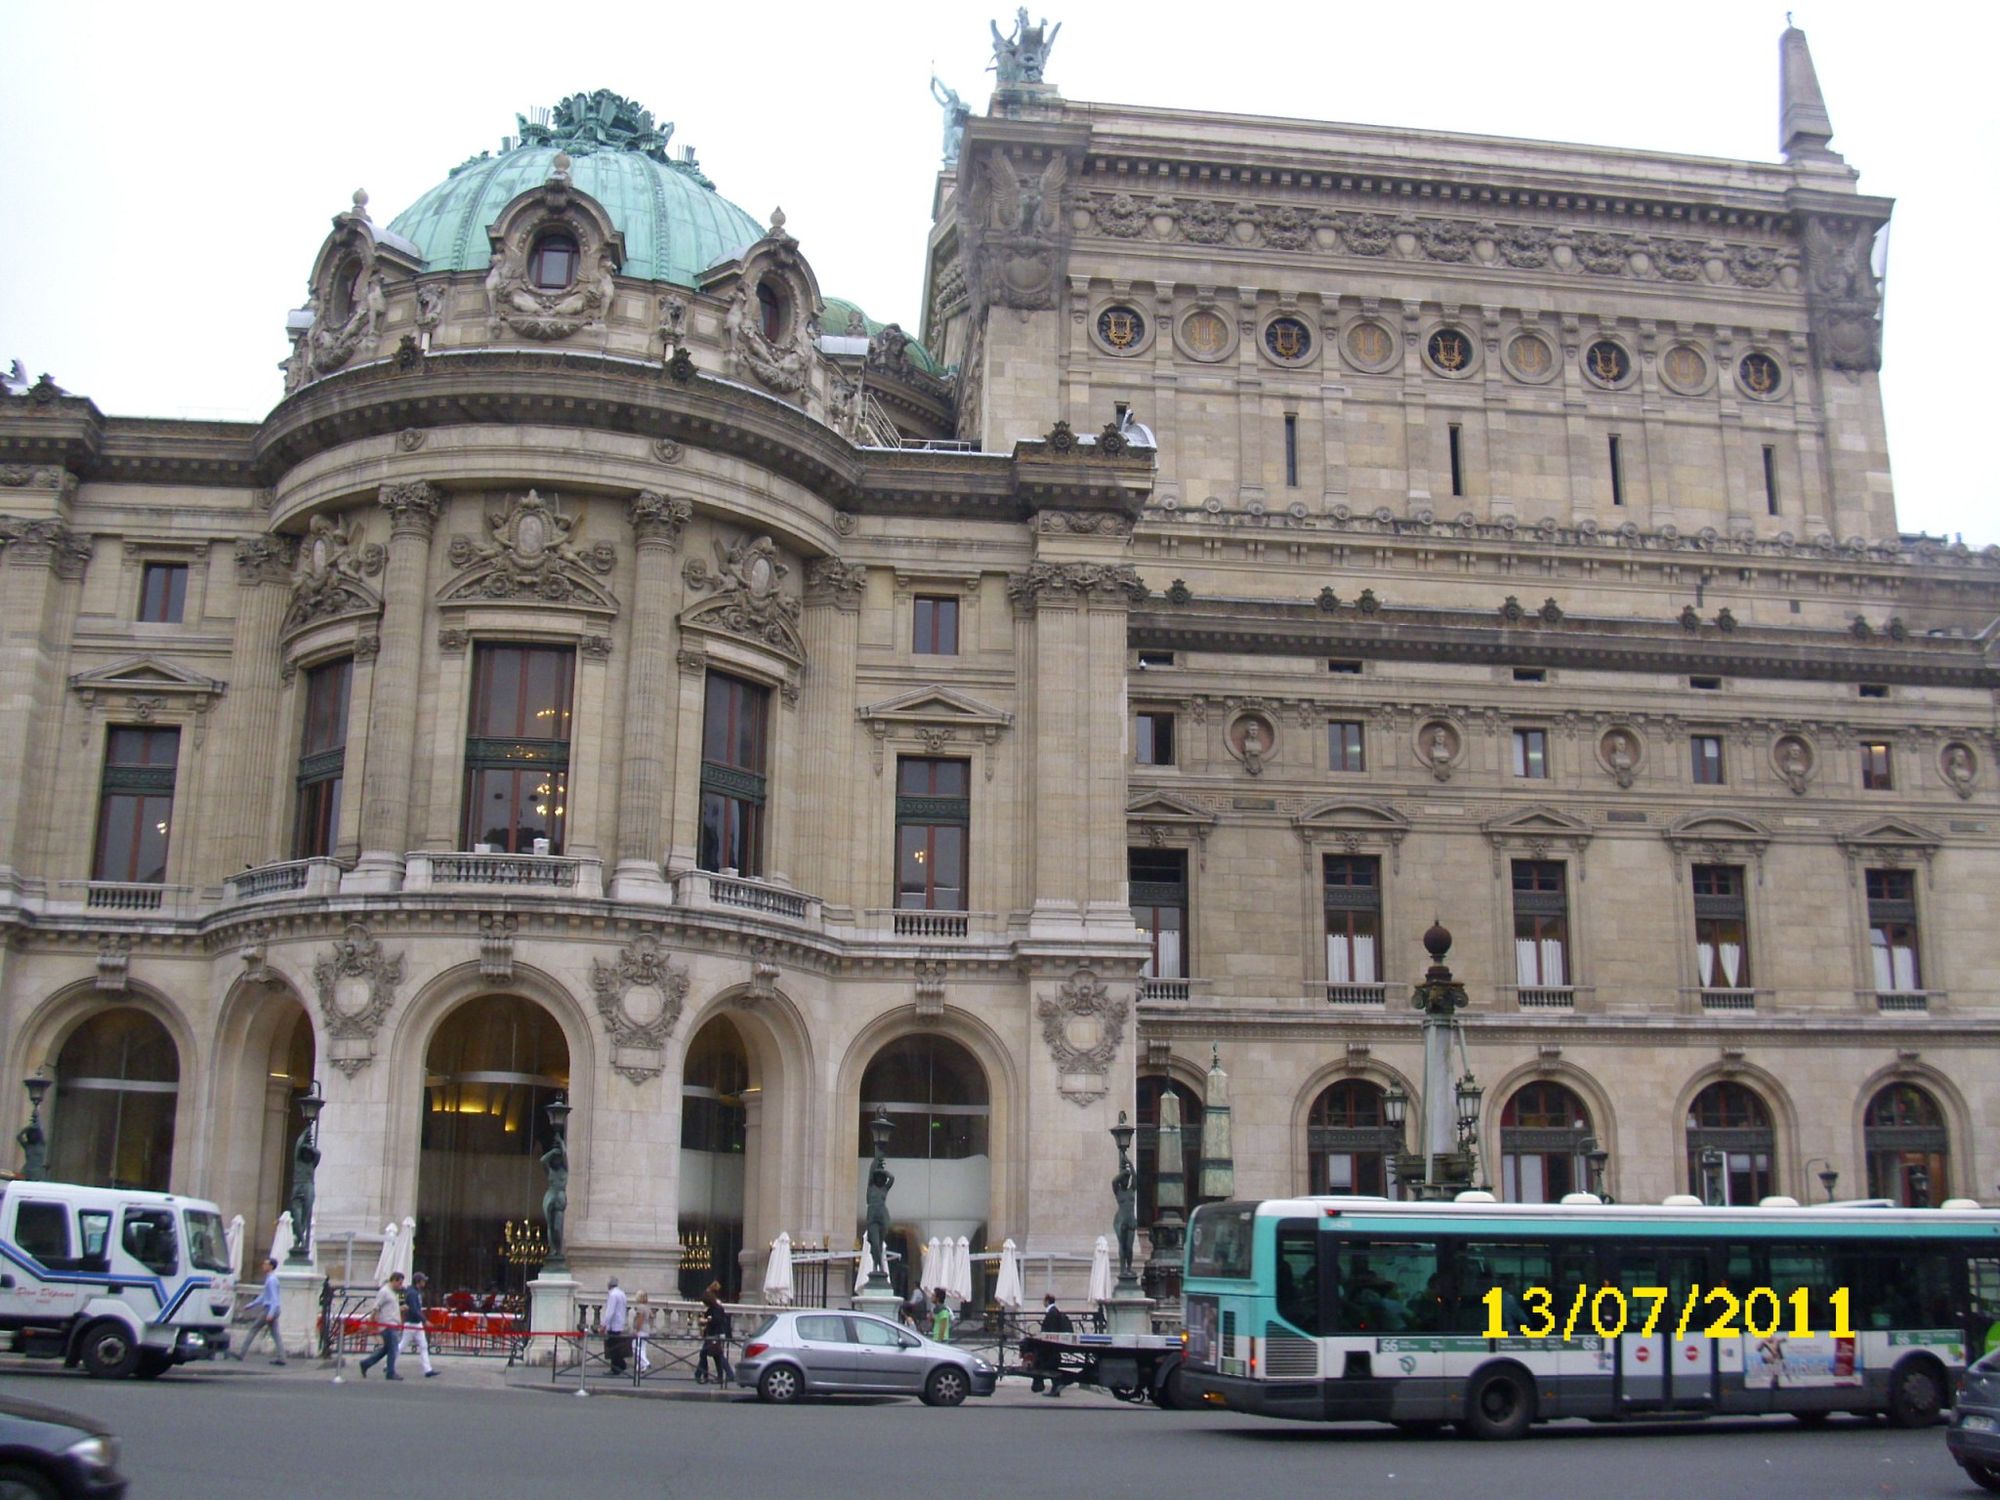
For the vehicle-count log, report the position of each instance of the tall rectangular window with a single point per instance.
(1770, 479)
(1541, 924)
(163, 593)
(517, 747)
(1352, 896)
(936, 626)
(1721, 930)
(1455, 440)
(322, 760)
(1617, 471)
(1153, 739)
(1892, 931)
(734, 730)
(1159, 893)
(933, 816)
(1345, 748)
(1531, 754)
(1876, 775)
(135, 805)
(1706, 754)
(1291, 450)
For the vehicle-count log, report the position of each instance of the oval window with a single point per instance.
(553, 264)
(770, 312)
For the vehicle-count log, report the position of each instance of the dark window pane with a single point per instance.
(937, 626)
(163, 593)
(554, 262)
(327, 691)
(1155, 740)
(1345, 747)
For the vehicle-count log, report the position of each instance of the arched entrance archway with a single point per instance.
(111, 1119)
(493, 1067)
(1542, 1129)
(1734, 1120)
(265, 1062)
(939, 1105)
(1349, 1147)
(1909, 1148)
(714, 1133)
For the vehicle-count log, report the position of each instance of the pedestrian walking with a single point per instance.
(389, 1323)
(1054, 1320)
(617, 1342)
(715, 1331)
(940, 1316)
(415, 1335)
(642, 1330)
(265, 1316)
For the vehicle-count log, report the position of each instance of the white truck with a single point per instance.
(123, 1283)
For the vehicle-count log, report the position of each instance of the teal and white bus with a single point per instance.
(1500, 1315)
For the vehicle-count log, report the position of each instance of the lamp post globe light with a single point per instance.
(33, 1139)
(1827, 1175)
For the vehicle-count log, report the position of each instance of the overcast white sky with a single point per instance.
(167, 171)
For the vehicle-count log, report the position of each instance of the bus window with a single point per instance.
(1789, 1267)
(1910, 1288)
(150, 1240)
(1384, 1286)
(1298, 1275)
(1219, 1240)
(1513, 1268)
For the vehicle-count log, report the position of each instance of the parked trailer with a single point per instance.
(1137, 1367)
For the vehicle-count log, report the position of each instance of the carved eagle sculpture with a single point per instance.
(1017, 207)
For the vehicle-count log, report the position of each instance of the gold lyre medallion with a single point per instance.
(1206, 333)
(1119, 327)
(1531, 356)
(1760, 374)
(1287, 338)
(1368, 343)
(1684, 366)
(1449, 351)
(1608, 362)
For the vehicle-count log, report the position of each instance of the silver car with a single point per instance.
(809, 1351)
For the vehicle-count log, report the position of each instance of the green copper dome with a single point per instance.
(675, 223)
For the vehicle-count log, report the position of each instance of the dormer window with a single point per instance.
(347, 291)
(553, 264)
(770, 311)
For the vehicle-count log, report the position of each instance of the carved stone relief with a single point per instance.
(1082, 1025)
(1620, 751)
(1959, 767)
(356, 981)
(512, 299)
(332, 562)
(749, 601)
(1071, 583)
(639, 999)
(1016, 225)
(530, 555)
(496, 945)
(1439, 746)
(1793, 759)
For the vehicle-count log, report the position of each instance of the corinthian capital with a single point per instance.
(1074, 583)
(264, 559)
(45, 543)
(413, 507)
(660, 518)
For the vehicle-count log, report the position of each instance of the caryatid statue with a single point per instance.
(1125, 1223)
(305, 1162)
(880, 1180)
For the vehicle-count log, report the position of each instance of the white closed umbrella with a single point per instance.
(1007, 1286)
(927, 1278)
(282, 1238)
(1100, 1271)
(961, 1271)
(778, 1273)
(233, 1238)
(406, 1249)
(386, 1261)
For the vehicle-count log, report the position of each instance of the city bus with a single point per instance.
(1500, 1315)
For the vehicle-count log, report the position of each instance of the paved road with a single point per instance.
(250, 1433)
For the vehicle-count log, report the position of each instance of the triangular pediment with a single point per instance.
(1352, 815)
(1539, 821)
(1892, 831)
(934, 704)
(1163, 807)
(146, 674)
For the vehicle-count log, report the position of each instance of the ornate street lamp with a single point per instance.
(1920, 1187)
(1395, 1108)
(875, 1236)
(305, 1163)
(34, 1141)
(1827, 1176)
(1442, 1164)
(1711, 1175)
(1125, 1192)
(555, 1198)
(1598, 1157)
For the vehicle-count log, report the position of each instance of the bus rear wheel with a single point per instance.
(1916, 1394)
(1500, 1405)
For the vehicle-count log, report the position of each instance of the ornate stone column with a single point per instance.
(392, 712)
(651, 685)
(250, 773)
(822, 792)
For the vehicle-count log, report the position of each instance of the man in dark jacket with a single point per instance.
(1054, 1320)
(715, 1330)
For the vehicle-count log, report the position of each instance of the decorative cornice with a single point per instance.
(1074, 583)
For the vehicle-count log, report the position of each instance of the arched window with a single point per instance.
(112, 1119)
(935, 1095)
(552, 265)
(1146, 1148)
(1542, 1129)
(770, 311)
(346, 292)
(493, 1068)
(713, 1135)
(1349, 1147)
(1733, 1122)
(1909, 1152)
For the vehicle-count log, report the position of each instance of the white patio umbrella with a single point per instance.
(778, 1273)
(282, 1238)
(927, 1277)
(386, 1261)
(1100, 1271)
(1007, 1285)
(961, 1271)
(864, 1266)
(233, 1238)
(406, 1248)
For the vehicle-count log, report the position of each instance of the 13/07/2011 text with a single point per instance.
(1715, 1312)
